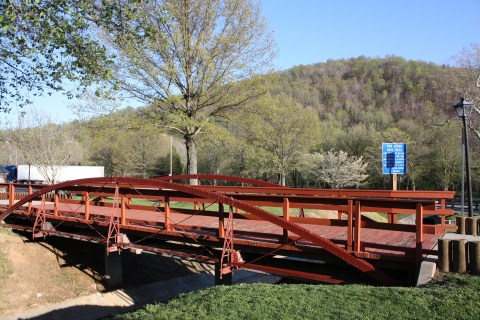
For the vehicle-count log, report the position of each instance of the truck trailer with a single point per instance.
(31, 174)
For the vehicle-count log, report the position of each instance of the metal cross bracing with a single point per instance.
(273, 226)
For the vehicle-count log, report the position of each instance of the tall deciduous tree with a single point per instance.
(192, 60)
(466, 81)
(467, 78)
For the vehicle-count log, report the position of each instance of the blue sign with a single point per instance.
(394, 158)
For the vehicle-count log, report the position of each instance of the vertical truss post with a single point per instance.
(442, 217)
(11, 194)
(221, 221)
(419, 233)
(229, 256)
(87, 205)
(30, 190)
(286, 216)
(167, 214)
(39, 220)
(114, 236)
(123, 211)
(358, 227)
(55, 203)
(350, 226)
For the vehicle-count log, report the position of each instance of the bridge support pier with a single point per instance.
(113, 270)
(222, 279)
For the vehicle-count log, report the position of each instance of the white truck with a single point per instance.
(30, 173)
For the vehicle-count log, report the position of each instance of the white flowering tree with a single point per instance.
(335, 169)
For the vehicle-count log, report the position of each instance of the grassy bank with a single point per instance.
(455, 297)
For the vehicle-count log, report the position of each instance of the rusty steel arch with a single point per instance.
(204, 176)
(197, 191)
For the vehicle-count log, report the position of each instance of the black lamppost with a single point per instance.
(463, 109)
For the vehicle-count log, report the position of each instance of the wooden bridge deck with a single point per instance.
(377, 244)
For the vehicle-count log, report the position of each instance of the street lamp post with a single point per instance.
(463, 109)
(171, 156)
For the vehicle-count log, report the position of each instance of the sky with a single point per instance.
(312, 31)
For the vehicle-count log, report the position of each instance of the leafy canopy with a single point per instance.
(42, 43)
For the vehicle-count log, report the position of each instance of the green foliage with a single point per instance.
(162, 167)
(192, 61)
(45, 42)
(124, 143)
(455, 298)
(275, 132)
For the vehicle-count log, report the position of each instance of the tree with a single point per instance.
(447, 155)
(45, 144)
(280, 130)
(336, 169)
(221, 152)
(466, 80)
(191, 61)
(124, 144)
(162, 167)
(42, 43)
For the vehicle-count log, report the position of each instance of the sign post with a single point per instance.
(394, 161)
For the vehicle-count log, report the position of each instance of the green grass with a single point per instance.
(457, 297)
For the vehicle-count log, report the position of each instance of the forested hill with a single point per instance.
(399, 87)
(358, 104)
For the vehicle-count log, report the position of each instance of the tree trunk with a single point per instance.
(191, 148)
(282, 178)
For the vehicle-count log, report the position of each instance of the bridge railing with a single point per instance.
(350, 206)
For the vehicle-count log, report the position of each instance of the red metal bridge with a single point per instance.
(315, 234)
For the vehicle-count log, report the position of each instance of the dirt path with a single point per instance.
(34, 275)
(56, 269)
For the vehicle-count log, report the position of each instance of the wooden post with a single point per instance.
(460, 222)
(167, 213)
(350, 226)
(221, 221)
(444, 255)
(474, 254)
(358, 227)
(87, 205)
(394, 181)
(471, 226)
(392, 218)
(419, 233)
(459, 264)
(286, 216)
